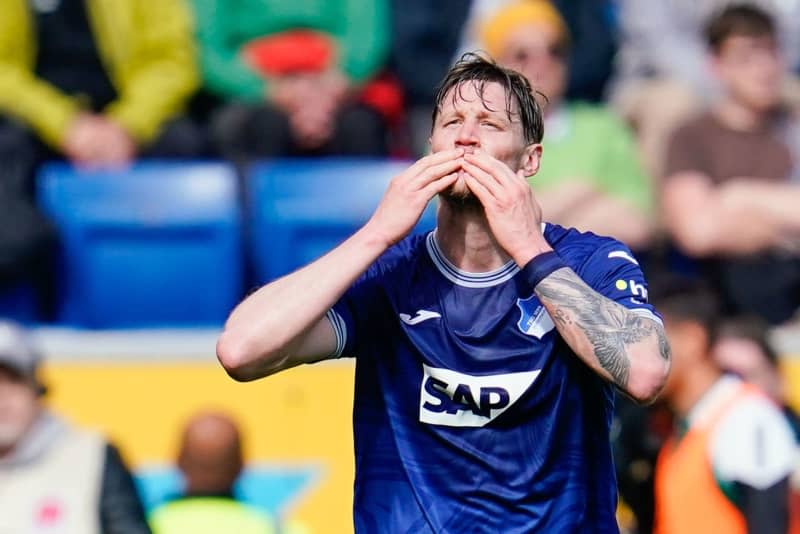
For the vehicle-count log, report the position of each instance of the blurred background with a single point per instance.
(161, 159)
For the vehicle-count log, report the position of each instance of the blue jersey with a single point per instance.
(471, 413)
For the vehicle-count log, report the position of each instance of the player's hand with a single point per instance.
(512, 211)
(409, 193)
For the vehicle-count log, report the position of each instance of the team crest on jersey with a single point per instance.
(450, 398)
(534, 319)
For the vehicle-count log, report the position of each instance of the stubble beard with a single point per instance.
(461, 199)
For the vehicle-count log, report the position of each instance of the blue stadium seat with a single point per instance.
(156, 245)
(303, 208)
(18, 303)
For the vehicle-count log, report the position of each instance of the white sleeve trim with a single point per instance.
(753, 444)
(340, 330)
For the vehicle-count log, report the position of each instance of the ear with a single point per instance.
(696, 339)
(182, 461)
(529, 161)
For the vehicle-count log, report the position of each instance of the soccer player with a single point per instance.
(487, 351)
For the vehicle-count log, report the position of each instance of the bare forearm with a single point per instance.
(778, 202)
(706, 220)
(263, 331)
(623, 347)
(282, 324)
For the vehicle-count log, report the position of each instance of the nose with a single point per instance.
(467, 137)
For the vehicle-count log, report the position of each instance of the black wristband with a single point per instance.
(541, 266)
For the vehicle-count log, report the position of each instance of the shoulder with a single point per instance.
(86, 439)
(595, 116)
(399, 256)
(697, 127)
(579, 249)
(406, 249)
(753, 443)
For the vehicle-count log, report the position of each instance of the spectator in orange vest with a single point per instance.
(727, 465)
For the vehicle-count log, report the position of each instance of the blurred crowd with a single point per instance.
(671, 125)
(668, 126)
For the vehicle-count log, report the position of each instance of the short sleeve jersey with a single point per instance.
(471, 413)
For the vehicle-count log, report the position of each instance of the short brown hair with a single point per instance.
(682, 299)
(745, 20)
(480, 70)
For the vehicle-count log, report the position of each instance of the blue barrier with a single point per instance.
(157, 244)
(300, 209)
(18, 303)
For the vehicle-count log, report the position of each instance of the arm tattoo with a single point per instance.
(609, 327)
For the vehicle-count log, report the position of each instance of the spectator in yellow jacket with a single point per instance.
(96, 81)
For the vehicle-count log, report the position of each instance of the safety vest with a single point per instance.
(209, 515)
(59, 492)
(688, 497)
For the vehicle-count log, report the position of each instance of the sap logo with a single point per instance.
(449, 398)
(534, 319)
(637, 289)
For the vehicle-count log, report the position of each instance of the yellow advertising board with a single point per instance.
(299, 420)
(297, 423)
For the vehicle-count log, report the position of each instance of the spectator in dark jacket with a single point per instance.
(425, 36)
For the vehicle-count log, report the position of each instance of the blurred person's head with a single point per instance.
(210, 455)
(480, 105)
(690, 312)
(746, 56)
(742, 348)
(20, 388)
(531, 37)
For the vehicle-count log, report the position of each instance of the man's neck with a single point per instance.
(199, 491)
(740, 117)
(694, 386)
(5, 452)
(464, 236)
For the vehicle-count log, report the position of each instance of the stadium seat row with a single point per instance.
(175, 244)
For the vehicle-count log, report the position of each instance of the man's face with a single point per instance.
(19, 407)
(745, 358)
(689, 343)
(751, 70)
(469, 122)
(534, 50)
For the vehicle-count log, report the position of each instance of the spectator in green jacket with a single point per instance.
(290, 72)
(94, 81)
(591, 179)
